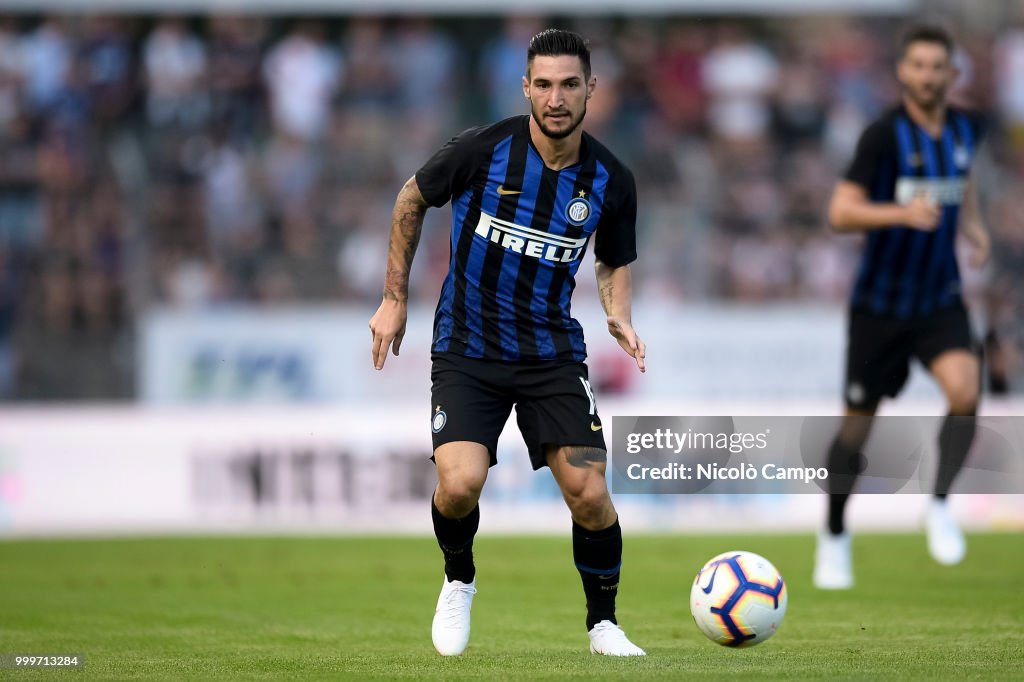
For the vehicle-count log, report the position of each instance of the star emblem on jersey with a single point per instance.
(583, 194)
(506, 192)
(578, 211)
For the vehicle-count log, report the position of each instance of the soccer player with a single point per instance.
(527, 194)
(908, 188)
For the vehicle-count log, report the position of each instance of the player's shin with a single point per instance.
(598, 557)
(955, 438)
(455, 538)
(843, 467)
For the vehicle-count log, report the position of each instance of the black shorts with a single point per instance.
(471, 400)
(879, 350)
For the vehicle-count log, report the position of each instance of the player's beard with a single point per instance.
(559, 134)
(928, 99)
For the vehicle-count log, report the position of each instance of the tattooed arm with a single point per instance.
(616, 289)
(388, 323)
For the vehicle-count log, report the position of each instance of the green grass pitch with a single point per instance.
(326, 608)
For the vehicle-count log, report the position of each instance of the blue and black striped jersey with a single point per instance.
(519, 232)
(905, 272)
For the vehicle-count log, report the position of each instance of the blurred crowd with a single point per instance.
(198, 162)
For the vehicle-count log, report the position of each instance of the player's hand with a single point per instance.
(627, 338)
(922, 214)
(388, 327)
(982, 247)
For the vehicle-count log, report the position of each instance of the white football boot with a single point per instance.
(608, 639)
(450, 630)
(945, 539)
(833, 561)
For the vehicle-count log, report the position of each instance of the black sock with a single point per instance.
(955, 439)
(844, 464)
(836, 512)
(598, 557)
(455, 538)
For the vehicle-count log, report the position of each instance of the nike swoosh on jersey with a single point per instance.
(505, 192)
(596, 427)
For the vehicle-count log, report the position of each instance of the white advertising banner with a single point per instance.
(322, 355)
(350, 470)
(250, 356)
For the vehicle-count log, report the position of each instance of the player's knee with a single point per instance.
(963, 398)
(590, 504)
(457, 495)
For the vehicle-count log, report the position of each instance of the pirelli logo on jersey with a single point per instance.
(947, 191)
(529, 242)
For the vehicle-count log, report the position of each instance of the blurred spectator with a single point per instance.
(20, 215)
(424, 61)
(290, 172)
(308, 258)
(679, 90)
(236, 53)
(302, 74)
(189, 282)
(1009, 61)
(230, 203)
(800, 103)
(762, 268)
(371, 83)
(503, 66)
(67, 335)
(175, 73)
(637, 48)
(10, 292)
(108, 69)
(860, 67)
(11, 71)
(604, 103)
(46, 56)
(740, 76)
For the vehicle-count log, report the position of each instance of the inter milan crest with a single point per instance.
(961, 157)
(578, 210)
(439, 420)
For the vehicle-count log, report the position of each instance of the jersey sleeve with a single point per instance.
(874, 150)
(980, 124)
(615, 237)
(450, 170)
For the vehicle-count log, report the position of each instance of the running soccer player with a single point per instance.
(527, 194)
(909, 189)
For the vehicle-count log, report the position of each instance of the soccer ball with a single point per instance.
(738, 599)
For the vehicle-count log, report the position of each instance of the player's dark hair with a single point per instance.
(926, 33)
(554, 42)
